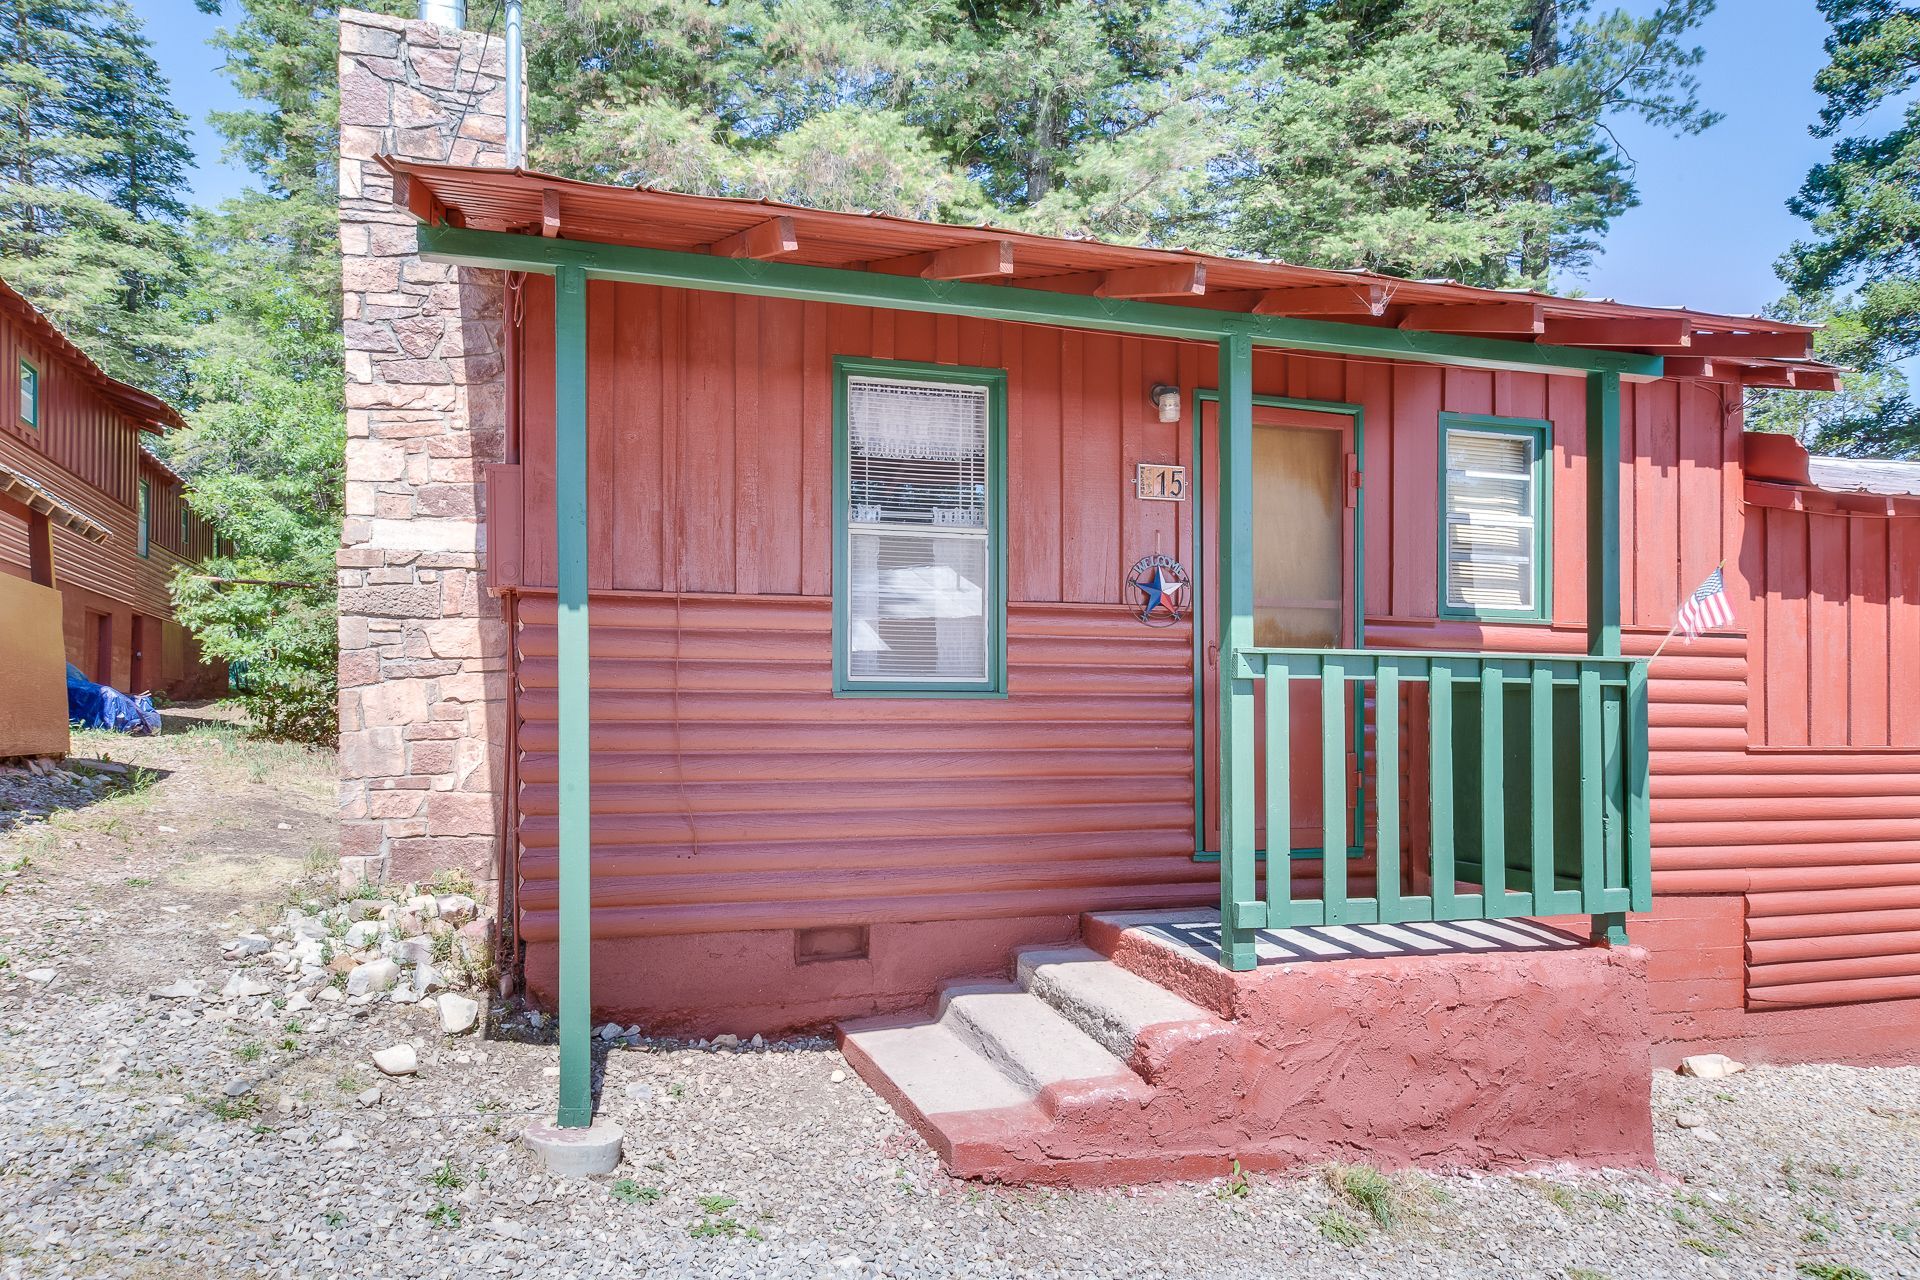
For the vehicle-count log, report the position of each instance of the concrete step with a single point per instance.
(1106, 1002)
(1026, 1038)
(929, 1067)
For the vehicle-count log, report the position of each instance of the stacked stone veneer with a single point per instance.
(423, 647)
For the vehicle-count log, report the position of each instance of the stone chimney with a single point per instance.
(423, 647)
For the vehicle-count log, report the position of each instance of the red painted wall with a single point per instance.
(733, 792)
(86, 452)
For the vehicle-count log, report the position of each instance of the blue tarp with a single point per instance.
(99, 706)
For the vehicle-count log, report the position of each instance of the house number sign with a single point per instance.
(1158, 482)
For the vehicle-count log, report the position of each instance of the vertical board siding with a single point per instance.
(87, 453)
(733, 792)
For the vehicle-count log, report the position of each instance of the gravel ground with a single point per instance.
(128, 1147)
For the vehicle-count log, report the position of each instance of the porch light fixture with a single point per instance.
(1166, 401)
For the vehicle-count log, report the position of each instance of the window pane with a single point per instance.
(916, 454)
(29, 394)
(916, 606)
(1490, 533)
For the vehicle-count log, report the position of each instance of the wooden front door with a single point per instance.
(1304, 490)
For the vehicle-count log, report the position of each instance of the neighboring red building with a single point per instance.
(75, 435)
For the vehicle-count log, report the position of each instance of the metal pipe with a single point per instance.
(444, 13)
(516, 108)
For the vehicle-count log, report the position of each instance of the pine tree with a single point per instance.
(1860, 269)
(93, 163)
(1464, 138)
(1052, 114)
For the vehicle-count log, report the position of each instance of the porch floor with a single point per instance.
(1197, 932)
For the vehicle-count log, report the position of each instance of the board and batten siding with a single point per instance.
(732, 791)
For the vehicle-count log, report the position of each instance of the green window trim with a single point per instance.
(1539, 433)
(994, 381)
(144, 533)
(29, 394)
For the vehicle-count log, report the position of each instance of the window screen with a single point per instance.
(29, 394)
(1492, 522)
(919, 553)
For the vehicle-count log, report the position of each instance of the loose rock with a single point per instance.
(397, 1060)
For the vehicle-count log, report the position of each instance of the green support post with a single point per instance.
(570, 543)
(1235, 602)
(1603, 565)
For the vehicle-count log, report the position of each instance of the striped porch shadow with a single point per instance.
(1311, 943)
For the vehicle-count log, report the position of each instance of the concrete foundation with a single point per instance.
(1501, 1059)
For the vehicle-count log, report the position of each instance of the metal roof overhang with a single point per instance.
(31, 494)
(524, 221)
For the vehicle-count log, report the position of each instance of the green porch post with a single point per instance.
(1235, 602)
(1603, 581)
(570, 542)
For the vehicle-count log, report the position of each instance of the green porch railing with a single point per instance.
(1535, 781)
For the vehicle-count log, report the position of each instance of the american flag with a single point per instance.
(1706, 608)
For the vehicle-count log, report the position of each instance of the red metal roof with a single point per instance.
(149, 411)
(1750, 348)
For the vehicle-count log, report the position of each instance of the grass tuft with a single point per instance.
(1340, 1229)
(1366, 1188)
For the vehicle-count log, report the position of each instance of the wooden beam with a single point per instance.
(1175, 280)
(1763, 346)
(1816, 380)
(1636, 331)
(1766, 376)
(979, 261)
(550, 213)
(1330, 300)
(1689, 367)
(1476, 317)
(416, 198)
(774, 238)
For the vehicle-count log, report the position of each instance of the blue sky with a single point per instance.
(1712, 215)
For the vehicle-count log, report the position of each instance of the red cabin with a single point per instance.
(1053, 651)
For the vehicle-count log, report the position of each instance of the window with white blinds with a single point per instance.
(920, 608)
(1495, 527)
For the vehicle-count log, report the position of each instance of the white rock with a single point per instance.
(299, 1001)
(640, 1093)
(404, 994)
(166, 830)
(370, 1098)
(456, 908)
(397, 1060)
(41, 976)
(330, 994)
(1710, 1066)
(727, 1041)
(417, 950)
(345, 1142)
(1690, 1120)
(426, 977)
(184, 989)
(425, 904)
(458, 1014)
(1705, 1135)
(374, 975)
(249, 944)
(838, 1077)
(241, 986)
(361, 934)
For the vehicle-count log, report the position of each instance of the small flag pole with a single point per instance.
(1665, 640)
